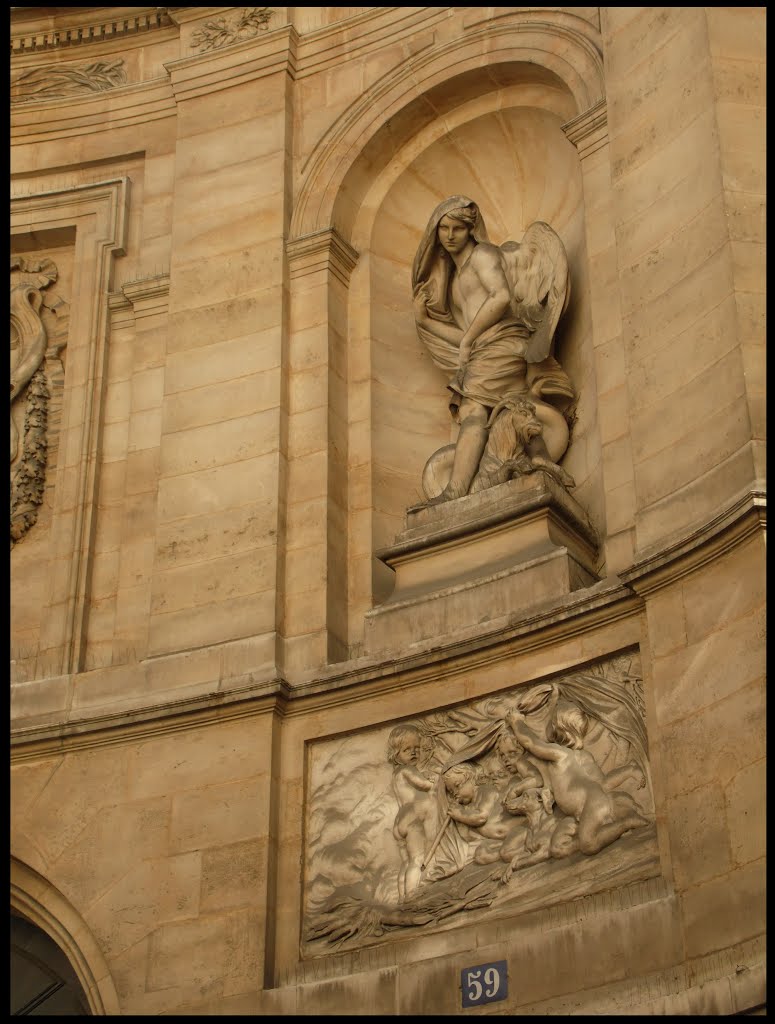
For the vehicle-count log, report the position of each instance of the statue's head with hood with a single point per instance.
(432, 264)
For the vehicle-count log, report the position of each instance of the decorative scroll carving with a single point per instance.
(220, 32)
(536, 796)
(487, 315)
(30, 391)
(57, 81)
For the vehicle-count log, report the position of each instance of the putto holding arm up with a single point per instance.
(487, 315)
(581, 789)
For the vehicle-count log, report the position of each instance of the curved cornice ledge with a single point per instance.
(44, 720)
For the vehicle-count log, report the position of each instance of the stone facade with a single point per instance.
(226, 619)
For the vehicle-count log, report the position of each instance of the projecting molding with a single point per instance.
(86, 28)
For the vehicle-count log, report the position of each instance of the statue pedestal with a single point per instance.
(502, 551)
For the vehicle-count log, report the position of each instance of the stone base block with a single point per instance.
(505, 550)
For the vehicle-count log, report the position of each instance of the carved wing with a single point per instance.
(537, 271)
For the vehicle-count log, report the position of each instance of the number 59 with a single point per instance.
(484, 984)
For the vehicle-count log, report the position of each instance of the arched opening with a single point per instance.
(43, 983)
(49, 929)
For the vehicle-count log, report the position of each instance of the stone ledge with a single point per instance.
(494, 505)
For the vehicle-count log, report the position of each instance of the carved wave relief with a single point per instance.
(535, 796)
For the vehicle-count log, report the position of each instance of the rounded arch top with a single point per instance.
(555, 49)
(33, 897)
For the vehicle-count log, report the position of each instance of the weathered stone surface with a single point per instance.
(208, 654)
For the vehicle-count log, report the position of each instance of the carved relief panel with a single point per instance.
(530, 797)
(39, 317)
(65, 240)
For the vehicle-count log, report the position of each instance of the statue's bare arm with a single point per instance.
(417, 779)
(485, 263)
(530, 741)
(473, 818)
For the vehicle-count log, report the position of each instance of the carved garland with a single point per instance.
(219, 32)
(29, 480)
(29, 340)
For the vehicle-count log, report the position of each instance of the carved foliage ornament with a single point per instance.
(220, 32)
(29, 389)
(536, 796)
(58, 81)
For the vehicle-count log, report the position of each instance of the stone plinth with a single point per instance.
(490, 554)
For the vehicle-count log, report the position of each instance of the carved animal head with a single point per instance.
(513, 425)
(520, 415)
(526, 803)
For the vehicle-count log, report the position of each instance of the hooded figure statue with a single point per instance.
(487, 315)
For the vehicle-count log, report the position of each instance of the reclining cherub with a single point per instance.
(479, 807)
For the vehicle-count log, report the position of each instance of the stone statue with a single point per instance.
(487, 315)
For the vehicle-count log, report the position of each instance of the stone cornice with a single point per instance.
(323, 250)
(589, 131)
(88, 27)
(597, 607)
(735, 524)
(335, 686)
(110, 111)
(148, 293)
(235, 64)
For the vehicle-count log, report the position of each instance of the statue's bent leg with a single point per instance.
(469, 449)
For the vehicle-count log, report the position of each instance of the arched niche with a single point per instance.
(510, 82)
(549, 47)
(39, 903)
(505, 149)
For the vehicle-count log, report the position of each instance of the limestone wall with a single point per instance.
(239, 415)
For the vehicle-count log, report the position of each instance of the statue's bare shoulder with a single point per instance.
(486, 255)
(486, 263)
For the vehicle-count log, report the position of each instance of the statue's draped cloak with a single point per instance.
(496, 366)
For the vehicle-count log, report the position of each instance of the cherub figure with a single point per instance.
(480, 808)
(415, 823)
(580, 788)
(527, 773)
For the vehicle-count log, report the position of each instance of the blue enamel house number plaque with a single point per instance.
(486, 983)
